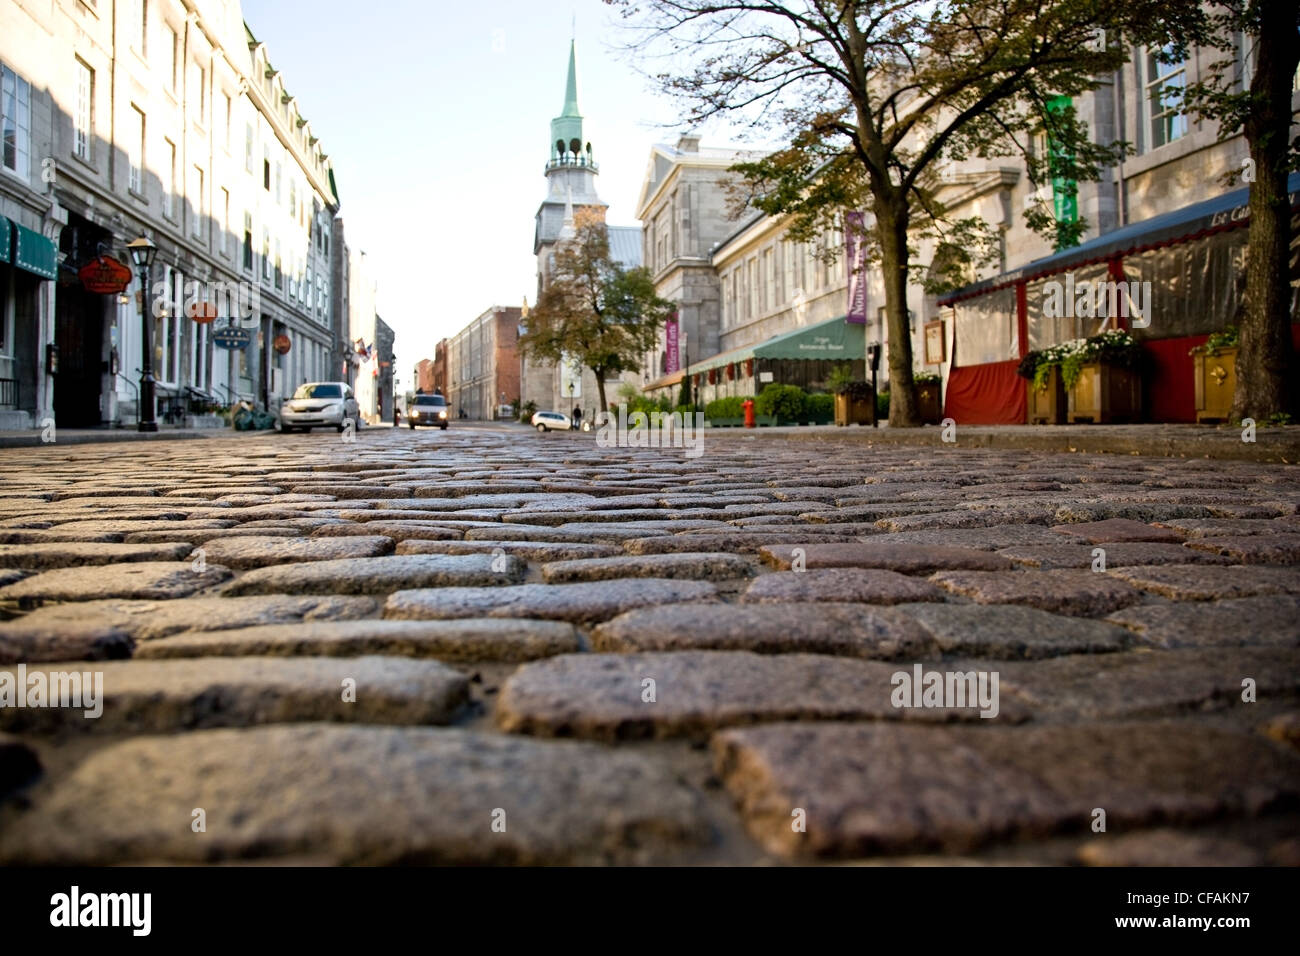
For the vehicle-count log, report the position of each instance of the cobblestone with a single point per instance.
(519, 588)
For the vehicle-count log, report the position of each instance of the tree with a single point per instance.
(1259, 109)
(875, 98)
(593, 310)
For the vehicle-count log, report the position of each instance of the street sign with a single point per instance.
(104, 275)
(231, 338)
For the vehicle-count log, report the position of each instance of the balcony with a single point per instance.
(569, 161)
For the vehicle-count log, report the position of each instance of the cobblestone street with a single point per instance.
(488, 645)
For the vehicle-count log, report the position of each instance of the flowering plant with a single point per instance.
(1115, 347)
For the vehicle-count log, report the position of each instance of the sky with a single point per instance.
(436, 116)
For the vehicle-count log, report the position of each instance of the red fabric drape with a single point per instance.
(986, 395)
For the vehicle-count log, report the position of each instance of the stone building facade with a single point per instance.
(165, 119)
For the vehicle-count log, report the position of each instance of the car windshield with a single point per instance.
(319, 391)
(430, 400)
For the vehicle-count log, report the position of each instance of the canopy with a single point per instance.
(832, 339)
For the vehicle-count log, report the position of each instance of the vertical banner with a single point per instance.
(855, 257)
(673, 362)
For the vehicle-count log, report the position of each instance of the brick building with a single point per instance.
(483, 364)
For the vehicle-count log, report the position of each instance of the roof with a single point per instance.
(831, 339)
(625, 245)
(1229, 211)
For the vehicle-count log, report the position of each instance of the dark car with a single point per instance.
(427, 410)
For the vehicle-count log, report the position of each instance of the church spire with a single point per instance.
(571, 84)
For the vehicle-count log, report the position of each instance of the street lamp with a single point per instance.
(142, 253)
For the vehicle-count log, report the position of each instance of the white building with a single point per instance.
(162, 118)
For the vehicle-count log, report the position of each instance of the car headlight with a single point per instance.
(442, 414)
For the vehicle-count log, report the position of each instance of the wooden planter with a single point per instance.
(1215, 378)
(860, 411)
(928, 404)
(1105, 394)
(1047, 404)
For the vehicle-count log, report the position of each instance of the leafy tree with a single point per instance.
(1257, 107)
(875, 98)
(593, 309)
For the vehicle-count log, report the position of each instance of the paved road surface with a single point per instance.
(493, 646)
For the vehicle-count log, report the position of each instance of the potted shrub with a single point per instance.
(1044, 390)
(928, 397)
(779, 404)
(819, 409)
(1102, 377)
(1214, 375)
(855, 404)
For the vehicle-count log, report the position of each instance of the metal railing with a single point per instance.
(8, 393)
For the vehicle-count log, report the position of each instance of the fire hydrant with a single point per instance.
(748, 406)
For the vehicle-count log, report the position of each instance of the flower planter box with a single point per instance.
(1105, 394)
(1215, 379)
(1047, 404)
(928, 404)
(860, 411)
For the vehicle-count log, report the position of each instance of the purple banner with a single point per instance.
(855, 255)
(673, 362)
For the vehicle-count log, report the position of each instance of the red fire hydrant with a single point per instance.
(748, 406)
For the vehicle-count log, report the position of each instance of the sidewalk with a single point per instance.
(1273, 444)
(85, 436)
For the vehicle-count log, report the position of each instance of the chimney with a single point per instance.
(688, 143)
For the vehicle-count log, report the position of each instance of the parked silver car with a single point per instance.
(427, 410)
(551, 421)
(319, 404)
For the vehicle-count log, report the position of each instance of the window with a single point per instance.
(278, 171)
(1164, 96)
(15, 120)
(142, 27)
(225, 121)
(85, 111)
(168, 177)
(196, 190)
(248, 147)
(248, 242)
(769, 280)
(136, 175)
(199, 356)
(171, 51)
(279, 271)
(266, 253)
(223, 239)
(266, 168)
(293, 196)
(201, 81)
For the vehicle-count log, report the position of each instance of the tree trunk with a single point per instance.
(600, 390)
(1264, 358)
(891, 228)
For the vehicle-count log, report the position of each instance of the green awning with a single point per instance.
(831, 339)
(4, 239)
(34, 252)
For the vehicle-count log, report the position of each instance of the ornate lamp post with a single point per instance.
(142, 253)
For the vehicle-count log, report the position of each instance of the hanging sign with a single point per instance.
(104, 275)
(282, 344)
(231, 337)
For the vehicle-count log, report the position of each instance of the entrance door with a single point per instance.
(79, 335)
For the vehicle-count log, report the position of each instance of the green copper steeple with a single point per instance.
(567, 143)
(571, 85)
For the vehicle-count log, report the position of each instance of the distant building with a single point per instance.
(483, 364)
(382, 372)
(571, 186)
